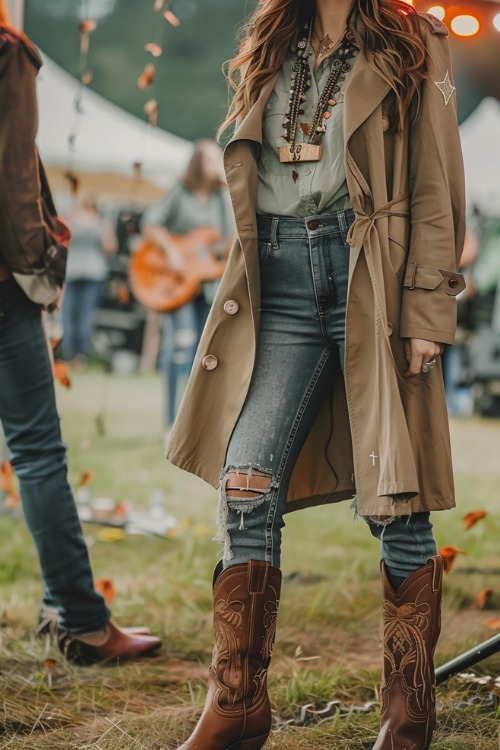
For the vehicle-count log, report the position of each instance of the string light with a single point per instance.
(438, 11)
(466, 20)
(465, 25)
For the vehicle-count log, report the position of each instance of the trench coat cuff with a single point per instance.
(439, 336)
(419, 276)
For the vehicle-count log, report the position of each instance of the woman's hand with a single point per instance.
(419, 352)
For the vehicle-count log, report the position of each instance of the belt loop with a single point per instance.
(341, 217)
(273, 234)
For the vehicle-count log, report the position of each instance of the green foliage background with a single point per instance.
(190, 87)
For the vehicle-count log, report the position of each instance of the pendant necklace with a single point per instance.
(325, 44)
(311, 149)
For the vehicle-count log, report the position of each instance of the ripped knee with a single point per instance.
(245, 490)
(242, 490)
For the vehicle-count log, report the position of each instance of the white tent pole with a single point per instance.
(16, 8)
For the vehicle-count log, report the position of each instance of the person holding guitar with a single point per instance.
(191, 226)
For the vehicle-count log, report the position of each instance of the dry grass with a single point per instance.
(329, 633)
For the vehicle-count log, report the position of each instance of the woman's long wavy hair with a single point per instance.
(388, 29)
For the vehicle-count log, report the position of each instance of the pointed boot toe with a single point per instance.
(110, 643)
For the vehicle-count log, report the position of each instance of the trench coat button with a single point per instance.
(231, 307)
(390, 329)
(209, 362)
(385, 124)
(453, 283)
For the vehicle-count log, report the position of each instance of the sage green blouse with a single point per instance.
(302, 188)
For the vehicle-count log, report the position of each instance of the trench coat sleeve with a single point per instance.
(26, 243)
(437, 202)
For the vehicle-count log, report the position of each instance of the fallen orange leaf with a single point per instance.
(85, 478)
(122, 508)
(493, 623)
(106, 587)
(483, 597)
(6, 477)
(473, 517)
(61, 373)
(448, 554)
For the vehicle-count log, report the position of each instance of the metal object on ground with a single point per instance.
(468, 658)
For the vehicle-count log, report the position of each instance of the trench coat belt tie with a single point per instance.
(362, 226)
(363, 223)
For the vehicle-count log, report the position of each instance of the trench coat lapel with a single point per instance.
(241, 165)
(364, 91)
(241, 173)
(250, 127)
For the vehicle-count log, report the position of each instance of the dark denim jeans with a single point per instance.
(304, 274)
(30, 422)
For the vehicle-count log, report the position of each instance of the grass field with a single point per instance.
(328, 648)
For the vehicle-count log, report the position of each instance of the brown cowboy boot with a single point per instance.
(237, 713)
(412, 622)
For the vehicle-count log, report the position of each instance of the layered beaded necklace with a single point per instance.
(311, 149)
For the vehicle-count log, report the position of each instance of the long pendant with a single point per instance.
(300, 152)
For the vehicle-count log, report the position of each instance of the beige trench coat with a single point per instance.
(389, 433)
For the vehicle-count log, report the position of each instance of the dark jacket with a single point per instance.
(33, 241)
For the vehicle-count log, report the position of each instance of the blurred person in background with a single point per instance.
(318, 376)
(33, 251)
(456, 369)
(198, 202)
(93, 240)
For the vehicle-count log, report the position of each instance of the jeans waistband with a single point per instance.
(304, 227)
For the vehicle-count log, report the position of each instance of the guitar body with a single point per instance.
(158, 286)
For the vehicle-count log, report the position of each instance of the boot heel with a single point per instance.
(254, 743)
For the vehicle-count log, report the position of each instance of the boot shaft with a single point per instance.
(246, 600)
(237, 713)
(412, 623)
(412, 619)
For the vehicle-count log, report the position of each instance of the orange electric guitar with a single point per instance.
(156, 285)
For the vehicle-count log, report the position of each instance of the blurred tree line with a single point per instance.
(189, 86)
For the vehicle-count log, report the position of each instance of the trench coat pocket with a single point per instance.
(398, 255)
(429, 277)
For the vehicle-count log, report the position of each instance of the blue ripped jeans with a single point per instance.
(304, 266)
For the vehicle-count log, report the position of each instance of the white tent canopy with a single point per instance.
(105, 137)
(480, 136)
